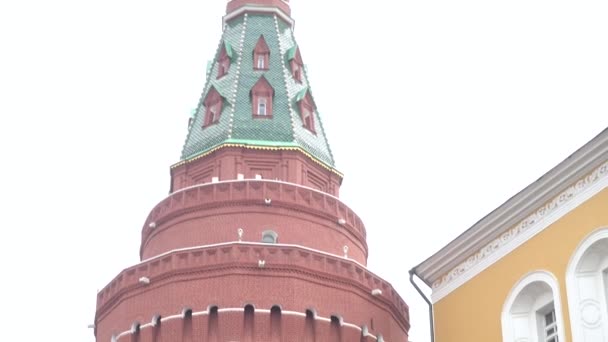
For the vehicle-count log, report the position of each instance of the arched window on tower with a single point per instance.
(270, 236)
(224, 60)
(307, 109)
(262, 95)
(261, 55)
(296, 64)
(213, 107)
(533, 311)
(587, 288)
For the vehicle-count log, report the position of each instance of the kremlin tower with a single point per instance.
(252, 243)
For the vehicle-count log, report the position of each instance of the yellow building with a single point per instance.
(536, 268)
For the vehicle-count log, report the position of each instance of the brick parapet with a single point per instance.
(299, 210)
(243, 259)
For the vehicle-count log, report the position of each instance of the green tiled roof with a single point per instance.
(236, 123)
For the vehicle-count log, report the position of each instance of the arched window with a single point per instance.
(533, 311)
(587, 288)
(261, 55)
(270, 236)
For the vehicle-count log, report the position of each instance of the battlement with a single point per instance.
(250, 262)
(194, 217)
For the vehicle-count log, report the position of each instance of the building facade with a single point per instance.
(536, 268)
(253, 242)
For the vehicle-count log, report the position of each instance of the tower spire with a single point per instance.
(253, 224)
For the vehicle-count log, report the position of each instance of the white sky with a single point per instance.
(437, 112)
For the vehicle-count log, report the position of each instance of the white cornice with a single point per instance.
(258, 9)
(560, 190)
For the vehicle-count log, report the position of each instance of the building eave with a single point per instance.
(515, 210)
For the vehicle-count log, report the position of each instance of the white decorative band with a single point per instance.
(546, 215)
(116, 338)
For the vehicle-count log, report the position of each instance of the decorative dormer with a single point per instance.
(213, 107)
(307, 109)
(262, 95)
(261, 55)
(224, 60)
(296, 64)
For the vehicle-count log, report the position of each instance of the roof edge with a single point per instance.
(580, 163)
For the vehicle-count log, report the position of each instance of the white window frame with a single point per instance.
(262, 109)
(538, 306)
(588, 309)
(261, 62)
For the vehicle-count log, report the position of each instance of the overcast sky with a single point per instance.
(436, 111)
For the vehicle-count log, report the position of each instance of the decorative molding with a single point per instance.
(237, 76)
(533, 224)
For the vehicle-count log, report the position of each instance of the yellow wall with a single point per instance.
(472, 313)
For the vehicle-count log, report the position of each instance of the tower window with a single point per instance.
(295, 62)
(307, 108)
(261, 55)
(262, 106)
(270, 236)
(213, 107)
(224, 60)
(261, 99)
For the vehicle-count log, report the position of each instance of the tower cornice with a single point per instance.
(259, 145)
(238, 7)
(258, 9)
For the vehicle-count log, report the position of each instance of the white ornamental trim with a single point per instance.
(543, 217)
(237, 76)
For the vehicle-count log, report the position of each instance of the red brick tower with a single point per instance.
(252, 243)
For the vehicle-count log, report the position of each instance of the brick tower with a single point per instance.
(253, 243)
